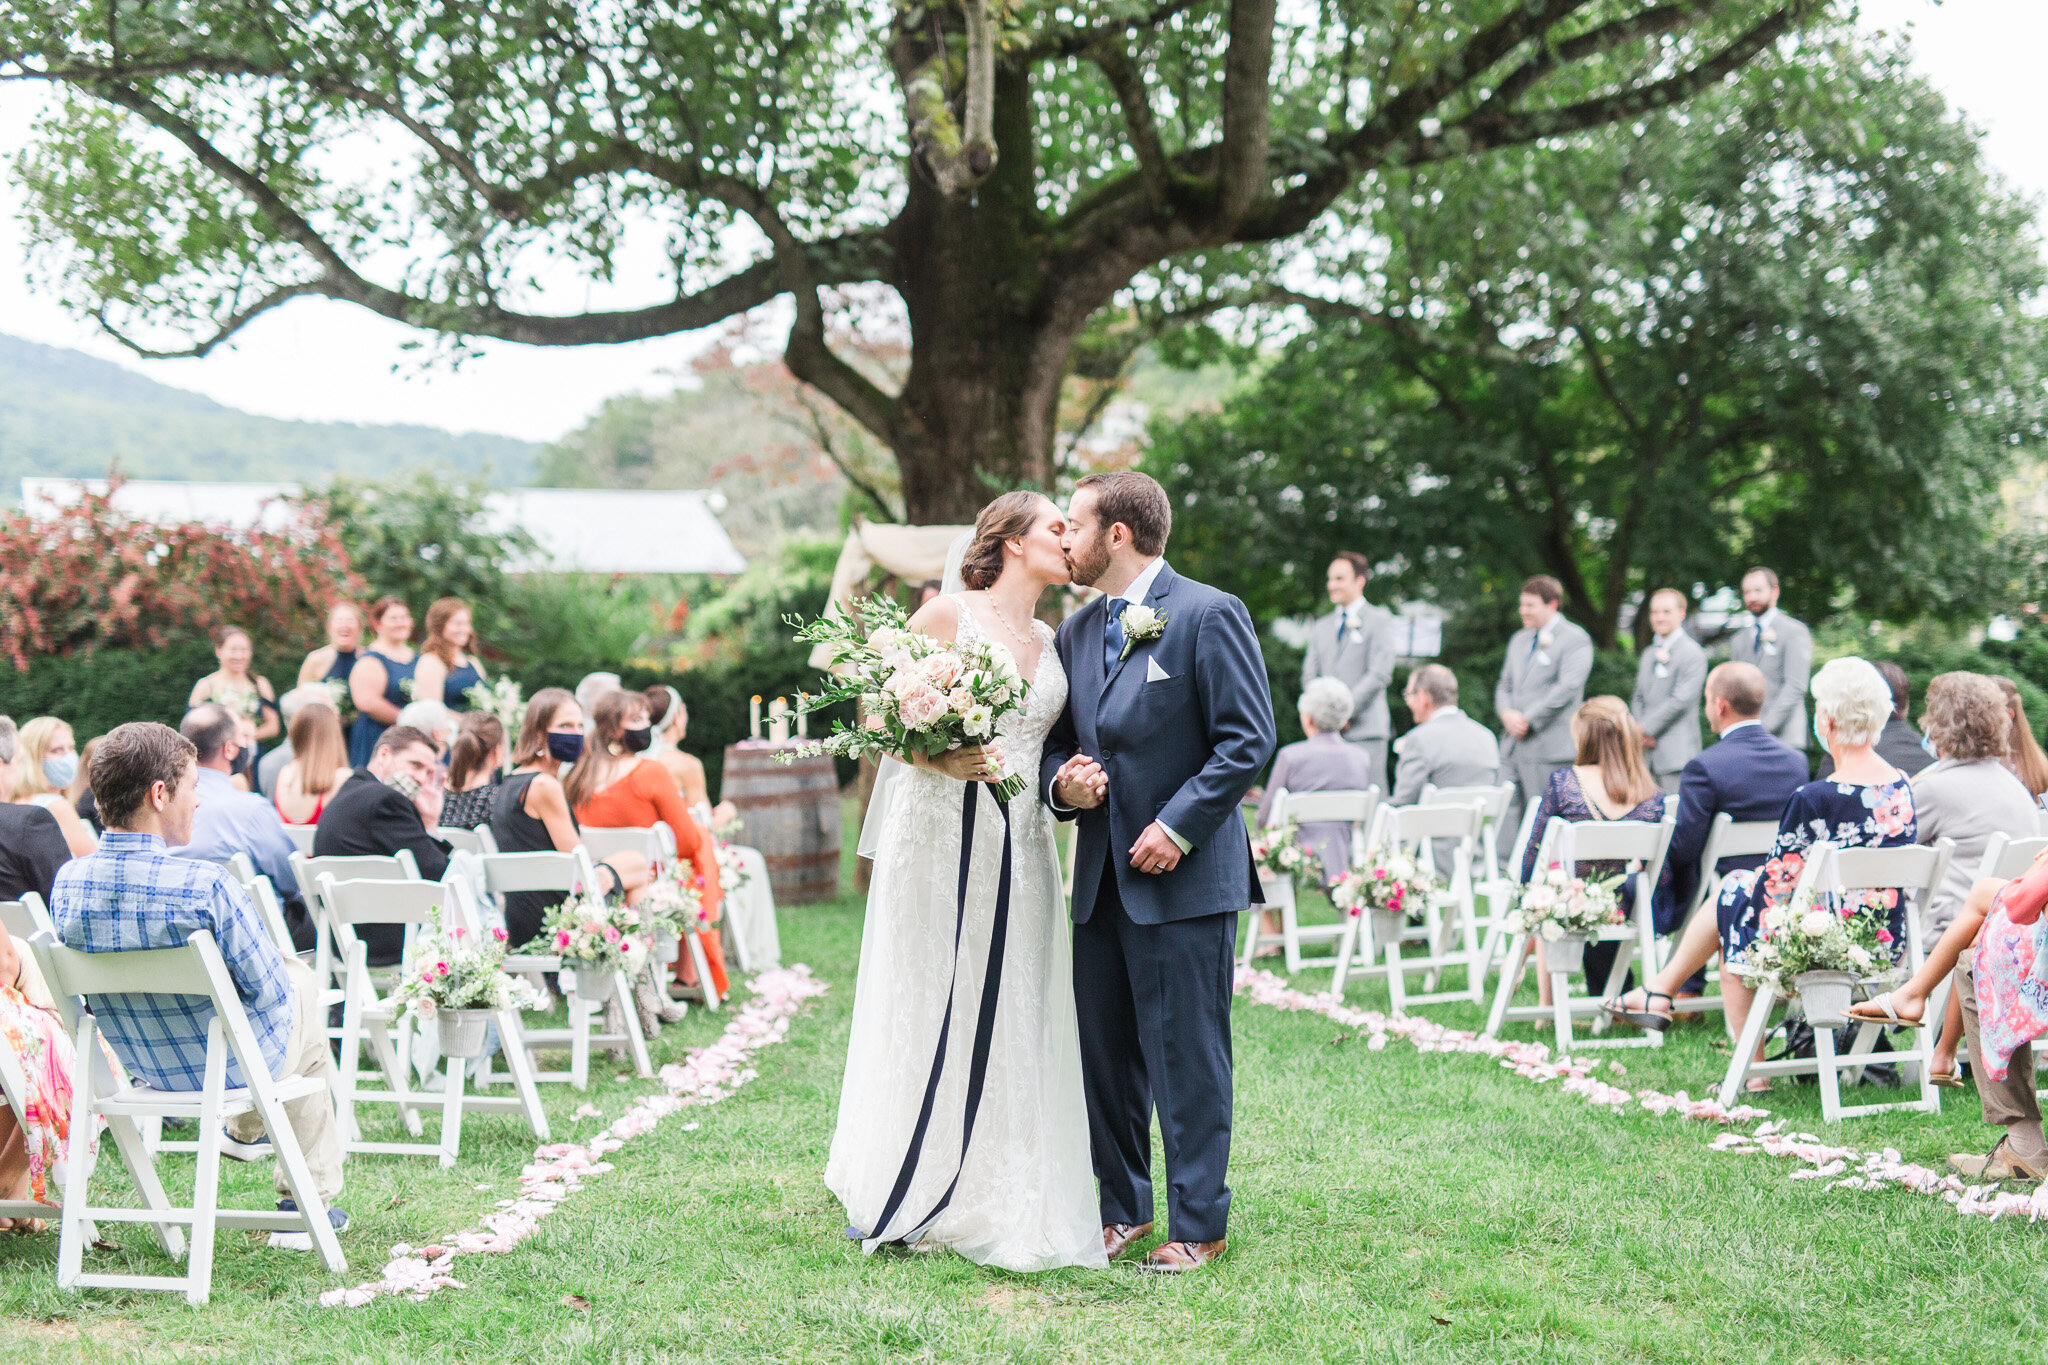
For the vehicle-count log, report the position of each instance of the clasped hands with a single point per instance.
(1082, 784)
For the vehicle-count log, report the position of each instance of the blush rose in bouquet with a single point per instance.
(915, 695)
(1556, 903)
(1277, 850)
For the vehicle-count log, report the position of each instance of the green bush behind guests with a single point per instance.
(97, 691)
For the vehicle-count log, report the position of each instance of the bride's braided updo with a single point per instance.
(1008, 517)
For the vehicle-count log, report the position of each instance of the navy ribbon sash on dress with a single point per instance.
(984, 1030)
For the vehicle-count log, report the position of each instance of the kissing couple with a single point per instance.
(1003, 1068)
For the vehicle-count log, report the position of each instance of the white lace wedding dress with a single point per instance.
(1025, 1193)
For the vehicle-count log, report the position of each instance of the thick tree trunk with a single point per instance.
(977, 410)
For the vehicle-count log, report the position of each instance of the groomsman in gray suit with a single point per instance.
(1783, 649)
(1669, 683)
(1447, 748)
(1355, 644)
(1542, 682)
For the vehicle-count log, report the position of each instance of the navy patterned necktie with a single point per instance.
(1112, 633)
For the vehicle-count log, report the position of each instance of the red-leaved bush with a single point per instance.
(93, 578)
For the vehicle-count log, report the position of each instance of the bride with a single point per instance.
(961, 1119)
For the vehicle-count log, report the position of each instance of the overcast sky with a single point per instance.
(331, 361)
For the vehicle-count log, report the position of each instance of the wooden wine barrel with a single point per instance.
(792, 815)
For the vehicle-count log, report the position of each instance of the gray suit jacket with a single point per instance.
(1546, 684)
(1669, 683)
(1363, 661)
(1450, 749)
(1786, 658)
(1967, 802)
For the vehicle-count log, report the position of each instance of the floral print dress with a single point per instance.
(1845, 814)
(43, 1056)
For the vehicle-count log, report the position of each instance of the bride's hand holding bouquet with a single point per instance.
(927, 702)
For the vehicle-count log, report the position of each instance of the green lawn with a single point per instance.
(1389, 1206)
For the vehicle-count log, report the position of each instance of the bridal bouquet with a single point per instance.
(589, 932)
(454, 969)
(1390, 881)
(1845, 932)
(1556, 903)
(339, 697)
(1277, 850)
(916, 695)
(504, 699)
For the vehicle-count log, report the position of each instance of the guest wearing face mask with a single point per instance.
(532, 813)
(615, 786)
(230, 820)
(47, 763)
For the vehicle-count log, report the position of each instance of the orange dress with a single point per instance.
(648, 793)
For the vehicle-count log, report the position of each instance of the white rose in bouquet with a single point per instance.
(1552, 930)
(1816, 923)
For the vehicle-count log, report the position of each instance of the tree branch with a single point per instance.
(821, 433)
(1548, 57)
(1113, 58)
(1241, 177)
(1407, 329)
(1072, 42)
(1598, 364)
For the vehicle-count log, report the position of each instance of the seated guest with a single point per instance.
(32, 847)
(1900, 745)
(1608, 780)
(474, 761)
(1997, 992)
(306, 783)
(31, 1029)
(232, 821)
(1867, 803)
(432, 719)
(2026, 760)
(1967, 794)
(272, 763)
(389, 805)
(132, 894)
(530, 813)
(671, 722)
(591, 687)
(49, 762)
(1447, 748)
(1748, 775)
(614, 787)
(1324, 762)
(79, 793)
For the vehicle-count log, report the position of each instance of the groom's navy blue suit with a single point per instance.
(1153, 952)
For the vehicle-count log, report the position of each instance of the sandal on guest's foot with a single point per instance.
(1644, 1018)
(1880, 1010)
(1951, 1079)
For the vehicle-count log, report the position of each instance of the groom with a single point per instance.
(1167, 723)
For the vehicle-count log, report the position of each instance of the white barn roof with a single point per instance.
(579, 530)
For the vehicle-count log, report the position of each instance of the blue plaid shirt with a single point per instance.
(133, 893)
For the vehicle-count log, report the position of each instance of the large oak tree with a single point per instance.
(1009, 169)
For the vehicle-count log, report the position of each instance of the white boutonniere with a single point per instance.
(1141, 623)
(1545, 638)
(1770, 635)
(1663, 656)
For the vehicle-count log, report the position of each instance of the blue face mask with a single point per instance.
(60, 769)
(564, 748)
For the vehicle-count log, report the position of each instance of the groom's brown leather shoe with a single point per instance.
(1117, 1237)
(1172, 1258)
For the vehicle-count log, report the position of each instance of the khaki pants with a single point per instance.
(2011, 1103)
(311, 1117)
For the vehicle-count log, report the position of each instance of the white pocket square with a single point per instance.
(1153, 672)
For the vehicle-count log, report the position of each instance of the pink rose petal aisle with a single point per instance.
(1846, 1168)
(709, 1075)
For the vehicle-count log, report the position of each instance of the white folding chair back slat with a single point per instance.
(1354, 808)
(603, 841)
(1727, 838)
(478, 840)
(2006, 858)
(302, 837)
(194, 969)
(1640, 844)
(1451, 941)
(1916, 872)
(27, 917)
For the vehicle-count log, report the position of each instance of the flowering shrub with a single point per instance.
(1390, 880)
(588, 931)
(454, 969)
(916, 695)
(1556, 903)
(1277, 850)
(1841, 932)
(91, 577)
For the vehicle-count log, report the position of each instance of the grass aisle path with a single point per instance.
(1389, 1206)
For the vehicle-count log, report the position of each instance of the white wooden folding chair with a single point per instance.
(1500, 892)
(657, 843)
(307, 871)
(1915, 872)
(22, 920)
(478, 841)
(566, 872)
(1452, 939)
(1495, 800)
(193, 969)
(260, 890)
(380, 1022)
(1641, 845)
(2009, 856)
(302, 837)
(1727, 837)
(1354, 808)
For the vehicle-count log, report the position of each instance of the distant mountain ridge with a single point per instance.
(65, 413)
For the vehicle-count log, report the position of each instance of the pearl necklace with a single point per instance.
(1014, 633)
